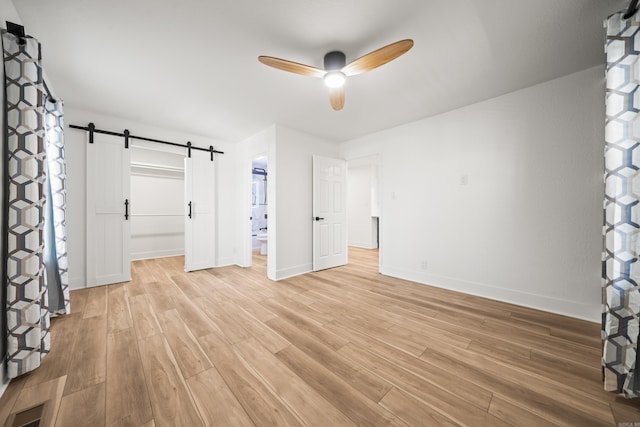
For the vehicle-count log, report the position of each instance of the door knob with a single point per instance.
(318, 218)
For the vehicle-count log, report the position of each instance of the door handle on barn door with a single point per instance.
(318, 218)
(189, 210)
(126, 209)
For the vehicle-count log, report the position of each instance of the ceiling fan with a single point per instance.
(336, 70)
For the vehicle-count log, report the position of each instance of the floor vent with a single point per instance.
(29, 418)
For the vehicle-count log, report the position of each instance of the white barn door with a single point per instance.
(108, 208)
(329, 213)
(200, 236)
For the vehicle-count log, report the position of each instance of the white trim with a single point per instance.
(293, 271)
(77, 283)
(154, 146)
(157, 171)
(363, 245)
(153, 215)
(226, 261)
(240, 261)
(569, 308)
(165, 253)
(155, 166)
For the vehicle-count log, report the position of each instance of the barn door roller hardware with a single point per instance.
(91, 128)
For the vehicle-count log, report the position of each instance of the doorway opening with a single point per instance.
(156, 205)
(363, 203)
(259, 211)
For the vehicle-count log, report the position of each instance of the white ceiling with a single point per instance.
(192, 65)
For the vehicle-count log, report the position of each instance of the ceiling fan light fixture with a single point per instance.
(336, 70)
(334, 79)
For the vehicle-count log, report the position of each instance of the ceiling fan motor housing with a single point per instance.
(335, 60)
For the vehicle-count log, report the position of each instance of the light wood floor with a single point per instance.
(341, 347)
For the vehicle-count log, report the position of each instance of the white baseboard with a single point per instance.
(591, 313)
(77, 283)
(223, 262)
(241, 262)
(364, 245)
(137, 256)
(285, 273)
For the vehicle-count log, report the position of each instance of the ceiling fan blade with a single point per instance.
(292, 67)
(336, 97)
(378, 57)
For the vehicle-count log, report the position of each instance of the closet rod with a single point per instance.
(92, 129)
(151, 214)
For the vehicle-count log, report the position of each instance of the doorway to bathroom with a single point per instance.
(259, 210)
(363, 203)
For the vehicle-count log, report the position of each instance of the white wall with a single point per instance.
(290, 199)
(501, 199)
(157, 202)
(76, 141)
(9, 13)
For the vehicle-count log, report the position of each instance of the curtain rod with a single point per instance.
(633, 8)
(91, 128)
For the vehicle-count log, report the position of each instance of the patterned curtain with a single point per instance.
(621, 262)
(28, 124)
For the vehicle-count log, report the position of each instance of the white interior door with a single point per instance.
(200, 236)
(329, 213)
(108, 208)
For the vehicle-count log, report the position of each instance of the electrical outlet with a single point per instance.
(424, 265)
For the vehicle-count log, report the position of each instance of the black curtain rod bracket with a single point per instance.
(633, 8)
(17, 30)
(91, 128)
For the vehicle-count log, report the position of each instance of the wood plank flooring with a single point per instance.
(341, 347)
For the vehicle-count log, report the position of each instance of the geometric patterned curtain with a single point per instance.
(621, 247)
(28, 124)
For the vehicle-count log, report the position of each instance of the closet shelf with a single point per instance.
(156, 214)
